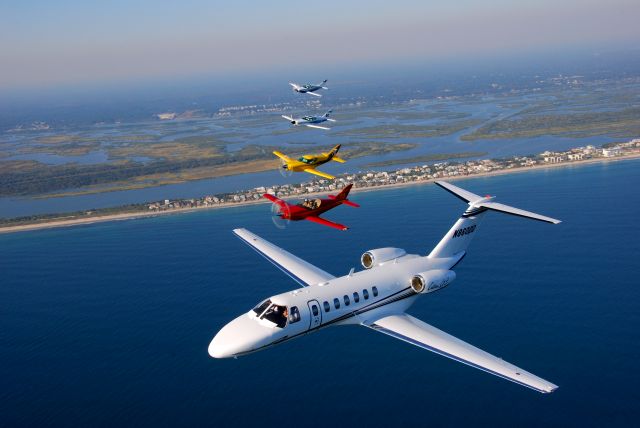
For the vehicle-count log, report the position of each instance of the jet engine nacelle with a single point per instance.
(427, 282)
(380, 255)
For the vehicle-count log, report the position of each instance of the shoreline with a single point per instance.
(137, 215)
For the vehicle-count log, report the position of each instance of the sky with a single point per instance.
(46, 43)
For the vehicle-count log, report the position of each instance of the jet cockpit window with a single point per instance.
(294, 314)
(307, 160)
(261, 307)
(277, 315)
(308, 118)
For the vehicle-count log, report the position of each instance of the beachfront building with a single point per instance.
(550, 157)
(611, 151)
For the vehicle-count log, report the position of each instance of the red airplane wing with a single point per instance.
(275, 200)
(326, 222)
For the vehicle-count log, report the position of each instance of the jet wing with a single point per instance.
(326, 222)
(314, 94)
(317, 127)
(412, 330)
(320, 173)
(302, 272)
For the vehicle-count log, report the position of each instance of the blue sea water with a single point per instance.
(108, 324)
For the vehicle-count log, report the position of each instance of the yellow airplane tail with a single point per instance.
(333, 154)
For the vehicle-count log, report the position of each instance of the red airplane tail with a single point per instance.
(342, 196)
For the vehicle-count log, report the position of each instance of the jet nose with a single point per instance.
(218, 348)
(239, 336)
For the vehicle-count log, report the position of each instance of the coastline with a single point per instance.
(136, 215)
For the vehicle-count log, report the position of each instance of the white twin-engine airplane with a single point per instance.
(311, 121)
(309, 88)
(376, 298)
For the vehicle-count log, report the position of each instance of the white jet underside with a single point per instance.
(401, 326)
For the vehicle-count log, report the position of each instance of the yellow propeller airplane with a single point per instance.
(309, 163)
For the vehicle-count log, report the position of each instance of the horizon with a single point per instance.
(75, 45)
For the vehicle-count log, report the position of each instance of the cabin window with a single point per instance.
(375, 291)
(346, 300)
(315, 310)
(261, 307)
(356, 297)
(365, 294)
(327, 306)
(336, 303)
(294, 314)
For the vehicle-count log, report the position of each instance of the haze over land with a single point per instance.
(71, 42)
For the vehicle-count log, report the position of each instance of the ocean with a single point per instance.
(108, 324)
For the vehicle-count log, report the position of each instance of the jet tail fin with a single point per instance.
(458, 238)
(342, 196)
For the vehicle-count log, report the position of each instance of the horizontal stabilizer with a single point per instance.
(494, 206)
(465, 195)
(478, 202)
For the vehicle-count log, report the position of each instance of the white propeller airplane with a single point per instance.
(376, 298)
(311, 121)
(309, 88)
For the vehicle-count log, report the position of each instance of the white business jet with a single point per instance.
(376, 298)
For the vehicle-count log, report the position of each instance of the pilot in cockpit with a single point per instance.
(311, 203)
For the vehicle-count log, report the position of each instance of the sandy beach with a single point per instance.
(136, 215)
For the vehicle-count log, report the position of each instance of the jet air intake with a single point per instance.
(380, 255)
(427, 282)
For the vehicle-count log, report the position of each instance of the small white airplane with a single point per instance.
(311, 121)
(376, 298)
(309, 88)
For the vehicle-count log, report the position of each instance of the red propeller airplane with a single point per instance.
(310, 209)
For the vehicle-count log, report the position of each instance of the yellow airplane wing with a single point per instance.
(320, 173)
(282, 156)
(337, 159)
